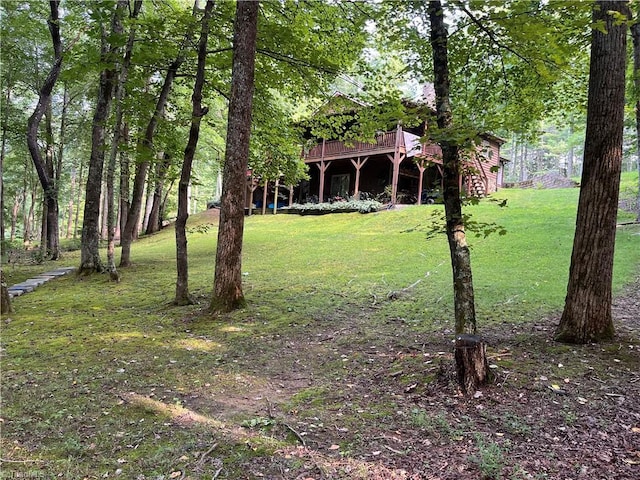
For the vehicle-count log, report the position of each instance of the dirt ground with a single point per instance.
(381, 402)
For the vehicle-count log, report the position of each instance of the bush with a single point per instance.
(361, 206)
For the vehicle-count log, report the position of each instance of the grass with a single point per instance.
(110, 379)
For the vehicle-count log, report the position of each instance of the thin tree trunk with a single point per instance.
(124, 180)
(465, 317)
(587, 313)
(90, 261)
(154, 223)
(103, 209)
(3, 150)
(27, 215)
(111, 210)
(76, 220)
(198, 111)
(144, 152)
(571, 155)
(48, 184)
(635, 35)
(50, 232)
(148, 205)
(227, 294)
(72, 193)
(523, 162)
(19, 199)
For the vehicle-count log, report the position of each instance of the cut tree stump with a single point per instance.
(471, 363)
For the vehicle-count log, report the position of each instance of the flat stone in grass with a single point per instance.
(59, 272)
(36, 282)
(15, 292)
(22, 287)
(45, 277)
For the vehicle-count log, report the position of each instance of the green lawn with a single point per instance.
(96, 375)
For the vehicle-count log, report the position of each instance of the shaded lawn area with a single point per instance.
(340, 367)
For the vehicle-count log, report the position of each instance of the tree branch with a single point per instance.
(295, 61)
(491, 34)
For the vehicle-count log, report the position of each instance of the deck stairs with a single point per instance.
(476, 186)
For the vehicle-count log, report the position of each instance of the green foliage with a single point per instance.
(489, 459)
(511, 64)
(258, 423)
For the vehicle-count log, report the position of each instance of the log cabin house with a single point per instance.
(395, 166)
(398, 163)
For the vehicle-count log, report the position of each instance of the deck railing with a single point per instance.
(336, 148)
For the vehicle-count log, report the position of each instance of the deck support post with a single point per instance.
(421, 168)
(358, 164)
(396, 160)
(323, 166)
(264, 197)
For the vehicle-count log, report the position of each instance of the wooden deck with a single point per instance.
(338, 149)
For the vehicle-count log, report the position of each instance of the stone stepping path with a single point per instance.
(33, 283)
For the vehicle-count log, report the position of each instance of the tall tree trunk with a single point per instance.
(27, 214)
(198, 111)
(124, 180)
(72, 193)
(19, 200)
(90, 261)
(465, 316)
(76, 220)
(587, 312)
(50, 244)
(523, 162)
(227, 294)
(111, 210)
(635, 35)
(148, 205)
(47, 182)
(571, 155)
(103, 208)
(144, 153)
(3, 150)
(154, 222)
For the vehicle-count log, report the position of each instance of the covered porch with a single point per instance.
(395, 163)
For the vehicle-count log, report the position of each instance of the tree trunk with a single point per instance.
(471, 363)
(111, 210)
(124, 180)
(50, 244)
(587, 313)
(472, 367)
(227, 294)
(70, 209)
(635, 35)
(182, 281)
(27, 214)
(49, 186)
(5, 300)
(144, 153)
(90, 261)
(76, 220)
(3, 150)
(465, 317)
(148, 205)
(154, 223)
(19, 199)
